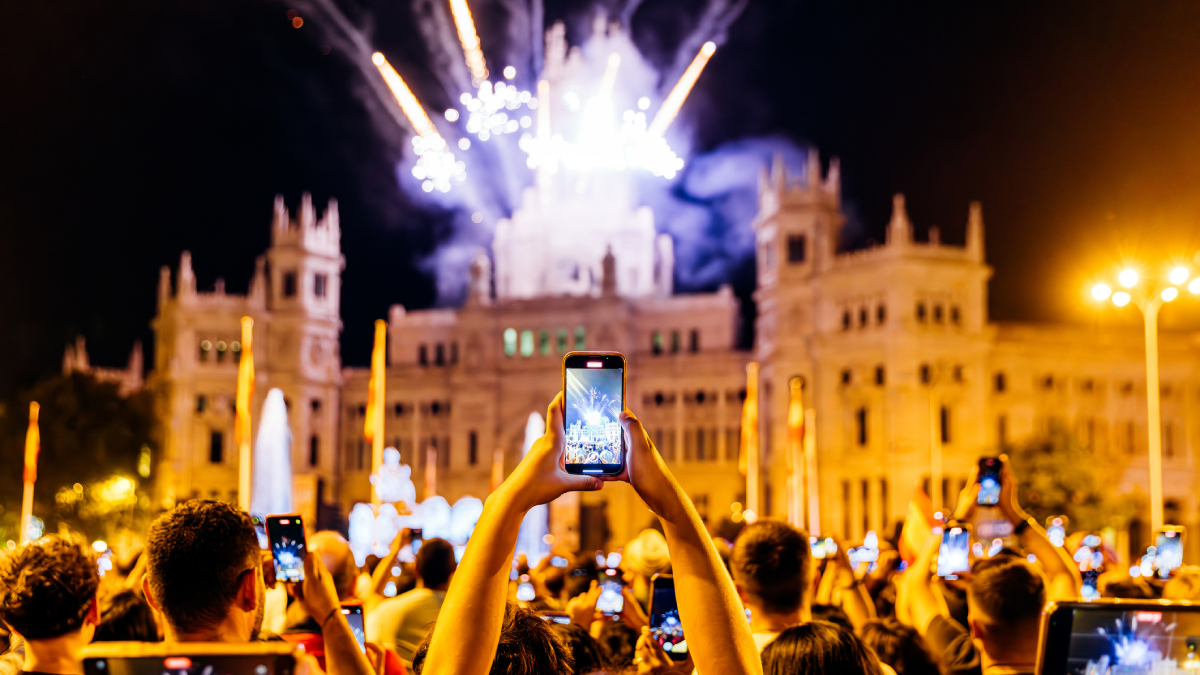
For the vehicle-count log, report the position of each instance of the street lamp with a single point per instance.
(1149, 297)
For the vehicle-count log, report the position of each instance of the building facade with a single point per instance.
(893, 345)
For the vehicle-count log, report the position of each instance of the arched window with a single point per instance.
(580, 341)
(527, 343)
(510, 341)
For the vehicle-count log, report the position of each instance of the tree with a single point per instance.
(1057, 475)
(90, 435)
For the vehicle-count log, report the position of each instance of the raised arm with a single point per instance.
(318, 595)
(383, 570)
(1062, 576)
(468, 627)
(922, 601)
(714, 621)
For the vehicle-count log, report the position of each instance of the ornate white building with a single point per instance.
(893, 343)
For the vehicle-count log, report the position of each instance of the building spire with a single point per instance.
(164, 286)
(186, 286)
(778, 173)
(900, 228)
(608, 282)
(975, 232)
(812, 169)
(833, 178)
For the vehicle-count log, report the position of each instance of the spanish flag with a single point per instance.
(918, 526)
(373, 426)
(241, 422)
(33, 444)
(749, 444)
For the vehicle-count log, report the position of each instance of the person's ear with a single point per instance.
(977, 630)
(247, 597)
(740, 591)
(93, 615)
(150, 600)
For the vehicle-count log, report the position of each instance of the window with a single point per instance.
(955, 315)
(472, 448)
(846, 376)
(846, 320)
(562, 340)
(1002, 431)
(656, 343)
(289, 284)
(885, 515)
(423, 355)
(1089, 433)
(398, 409)
(945, 424)
(694, 341)
(315, 405)
(846, 507)
(526, 343)
(675, 342)
(860, 425)
(314, 450)
(362, 410)
(201, 403)
(1168, 440)
(1088, 385)
(958, 373)
(510, 341)
(362, 452)
(862, 317)
(216, 447)
(797, 248)
(205, 348)
(580, 342)
(881, 314)
(865, 511)
(439, 354)
(701, 504)
(1130, 438)
(700, 449)
(319, 282)
(937, 313)
(544, 342)
(926, 373)
(879, 375)
(221, 347)
(921, 312)
(1001, 383)
(1048, 382)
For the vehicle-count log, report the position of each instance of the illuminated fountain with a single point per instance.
(272, 467)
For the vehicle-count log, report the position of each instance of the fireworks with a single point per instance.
(436, 165)
(469, 39)
(670, 108)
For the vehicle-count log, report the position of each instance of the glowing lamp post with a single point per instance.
(1150, 298)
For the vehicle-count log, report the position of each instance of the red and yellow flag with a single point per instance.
(373, 426)
(749, 442)
(33, 444)
(918, 526)
(241, 420)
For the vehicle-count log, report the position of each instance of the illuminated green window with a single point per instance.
(580, 342)
(526, 343)
(562, 340)
(656, 343)
(544, 342)
(510, 341)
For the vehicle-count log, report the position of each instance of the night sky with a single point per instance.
(131, 131)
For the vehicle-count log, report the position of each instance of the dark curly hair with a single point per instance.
(47, 587)
(771, 560)
(899, 646)
(196, 556)
(126, 616)
(819, 647)
(528, 646)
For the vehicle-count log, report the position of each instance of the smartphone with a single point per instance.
(989, 481)
(611, 602)
(954, 555)
(1119, 636)
(1168, 554)
(593, 398)
(353, 612)
(817, 546)
(417, 538)
(286, 536)
(555, 617)
(1090, 589)
(190, 658)
(665, 626)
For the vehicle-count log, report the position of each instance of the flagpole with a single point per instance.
(33, 443)
(241, 427)
(795, 458)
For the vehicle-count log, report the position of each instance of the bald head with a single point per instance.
(335, 553)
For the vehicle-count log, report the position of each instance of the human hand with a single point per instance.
(1008, 494)
(377, 657)
(582, 607)
(317, 594)
(968, 499)
(631, 611)
(646, 471)
(541, 476)
(651, 659)
(403, 538)
(268, 569)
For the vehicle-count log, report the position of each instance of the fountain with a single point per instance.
(531, 539)
(272, 468)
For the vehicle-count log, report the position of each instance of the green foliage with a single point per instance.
(1057, 475)
(89, 434)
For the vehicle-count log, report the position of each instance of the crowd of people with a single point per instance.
(759, 604)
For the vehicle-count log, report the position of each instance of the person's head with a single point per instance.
(899, 646)
(549, 579)
(819, 647)
(528, 646)
(48, 590)
(339, 560)
(435, 564)
(644, 557)
(1004, 600)
(1126, 587)
(1184, 584)
(204, 572)
(580, 573)
(618, 642)
(585, 651)
(126, 616)
(770, 564)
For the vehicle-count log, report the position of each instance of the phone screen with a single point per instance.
(1090, 589)
(953, 555)
(179, 664)
(286, 535)
(354, 616)
(610, 602)
(989, 482)
(594, 386)
(1168, 554)
(665, 626)
(556, 617)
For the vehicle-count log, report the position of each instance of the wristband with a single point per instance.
(331, 614)
(1023, 525)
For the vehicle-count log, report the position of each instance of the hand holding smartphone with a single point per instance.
(593, 398)
(665, 626)
(955, 551)
(353, 611)
(611, 602)
(989, 481)
(288, 546)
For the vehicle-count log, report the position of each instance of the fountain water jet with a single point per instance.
(272, 468)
